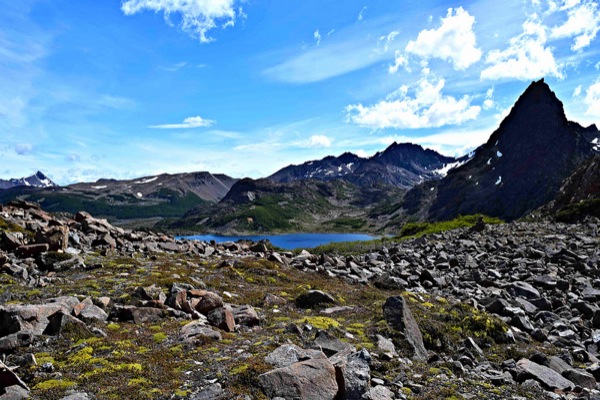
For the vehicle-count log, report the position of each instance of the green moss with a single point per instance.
(54, 384)
(113, 327)
(319, 322)
(159, 337)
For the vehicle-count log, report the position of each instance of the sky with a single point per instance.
(128, 88)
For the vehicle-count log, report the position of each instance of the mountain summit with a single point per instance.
(403, 165)
(38, 180)
(523, 164)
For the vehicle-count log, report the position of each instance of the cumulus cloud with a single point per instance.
(583, 24)
(427, 109)
(23, 148)
(198, 17)
(592, 100)
(188, 123)
(453, 41)
(400, 61)
(488, 103)
(526, 57)
(319, 141)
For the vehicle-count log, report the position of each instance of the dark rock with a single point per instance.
(353, 374)
(8, 378)
(313, 298)
(211, 392)
(65, 324)
(138, 315)
(197, 333)
(222, 318)
(151, 293)
(399, 317)
(580, 378)
(329, 344)
(31, 250)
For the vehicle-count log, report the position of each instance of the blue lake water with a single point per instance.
(289, 241)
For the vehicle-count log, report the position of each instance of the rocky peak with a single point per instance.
(523, 164)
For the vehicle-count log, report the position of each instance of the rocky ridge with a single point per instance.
(89, 310)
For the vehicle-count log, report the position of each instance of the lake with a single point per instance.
(290, 241)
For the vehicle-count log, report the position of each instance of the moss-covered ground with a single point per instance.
(147, 361)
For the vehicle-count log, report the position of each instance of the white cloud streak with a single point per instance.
(319, 141)
(188, 123)
(454, 41)
(526, 57)
(583, 24)
(592, 100)
(198, 17)
(317, 37)
(427, 109)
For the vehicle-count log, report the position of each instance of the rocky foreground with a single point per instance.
(91, 311)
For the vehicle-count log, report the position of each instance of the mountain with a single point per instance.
(38, 180)
(401, 165)
(580, 194)
(523, 164)
(303, 205)
(149, 198)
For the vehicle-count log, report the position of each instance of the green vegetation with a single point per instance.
(418, 229)
(578, 211)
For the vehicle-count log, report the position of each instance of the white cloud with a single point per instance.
(453, 41)
(583, 24)
(526, 58)
(361, 14)
(400, 61)
(319, 141)
(577, 91)
(488, 103)
(428, 108)
(198, 17)
(317, 37)
(188, 123)
(592, 100)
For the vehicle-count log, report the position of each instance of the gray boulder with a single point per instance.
(398, 315)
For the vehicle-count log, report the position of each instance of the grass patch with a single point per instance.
(418, 229)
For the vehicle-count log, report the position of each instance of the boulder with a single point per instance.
(8, 378)
(65, 324)
(138, 315)
(329, 344)
(245, 315)
(289, 354)
(313, 298)
(353, 374)
(56, 237)
(205, 301)
(312, 379)
(197, 333)
(32, 318)
(398, 315)
(222, 318)
(550, 379)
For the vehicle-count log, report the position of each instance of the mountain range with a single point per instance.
(535, 160)
(37, 180)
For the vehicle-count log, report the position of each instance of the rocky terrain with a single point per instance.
(93, 311)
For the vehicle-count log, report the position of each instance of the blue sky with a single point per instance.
(122, 89)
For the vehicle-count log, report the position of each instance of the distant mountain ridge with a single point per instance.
(402, 165)
(37, 180)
